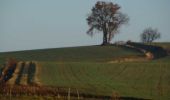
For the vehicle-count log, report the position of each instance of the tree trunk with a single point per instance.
(105, 37)
(110, 37)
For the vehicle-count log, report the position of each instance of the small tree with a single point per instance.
(105, 17)
(149, 35)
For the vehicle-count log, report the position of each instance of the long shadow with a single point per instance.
(132, 98)
(111, 98)
(100, 97)
(157, 51)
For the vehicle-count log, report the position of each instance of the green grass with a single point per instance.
(148, 80)
(87, 69)
(162, 60)
(1, 66)
(72, 54)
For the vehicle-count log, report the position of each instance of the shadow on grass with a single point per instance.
(132, 98)
(99, 97)
(157, 51)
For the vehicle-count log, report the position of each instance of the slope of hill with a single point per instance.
(89, 70)
(73, 54)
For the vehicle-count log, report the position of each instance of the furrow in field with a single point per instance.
(71, 75)
(66, 75)
(12, 80)
(138, 75)
(166, 81)
(100, 77)
(148, 80)
(82, 76)
(75, 74)
(46, 74)
(24, 77)
(138, 84)
(32, 68)
(26, 74)
(120, 71)
(160, 81)
(89, 78)
(37, 73)
(20, 73)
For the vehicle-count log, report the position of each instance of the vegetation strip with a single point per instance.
(37, 73)
(31, 73)
(20, 74)
(12, 80)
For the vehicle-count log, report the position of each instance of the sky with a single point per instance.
(38, 24)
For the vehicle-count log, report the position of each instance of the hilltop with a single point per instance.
(74, 54)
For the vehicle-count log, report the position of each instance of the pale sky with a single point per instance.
(38, 24)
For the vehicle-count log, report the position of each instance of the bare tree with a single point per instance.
(149, 35)
(106, 17)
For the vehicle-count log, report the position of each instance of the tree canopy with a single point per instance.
(105, 17)
(149, 35)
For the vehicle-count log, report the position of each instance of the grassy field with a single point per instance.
(142, 80)
(88, 69)
(72, 54)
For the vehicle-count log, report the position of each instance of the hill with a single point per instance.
(73, 54)
(89, 71)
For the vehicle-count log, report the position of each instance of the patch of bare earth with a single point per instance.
(128, 59)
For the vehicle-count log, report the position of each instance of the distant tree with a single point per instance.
(149, 35)
(106, 18)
